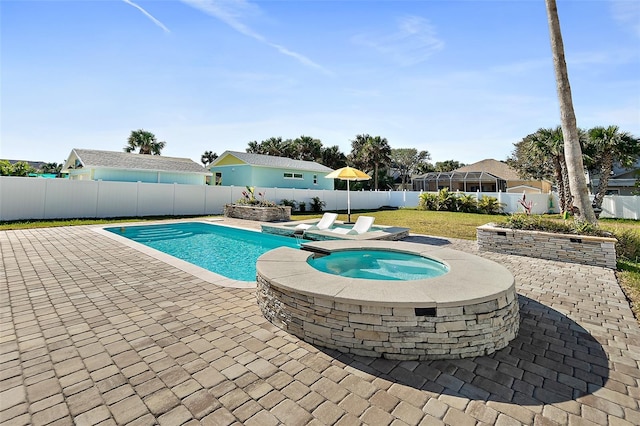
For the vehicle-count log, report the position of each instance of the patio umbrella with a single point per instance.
(348, 174)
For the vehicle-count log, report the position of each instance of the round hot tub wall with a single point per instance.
(470, 311)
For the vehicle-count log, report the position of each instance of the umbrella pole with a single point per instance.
(348, 204)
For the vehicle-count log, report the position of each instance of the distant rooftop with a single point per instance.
(130, 161)
(277, 162)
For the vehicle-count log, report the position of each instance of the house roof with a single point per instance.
(91, 158)
(494, 167)
(275, 162)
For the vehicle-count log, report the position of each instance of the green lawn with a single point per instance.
(440, 224)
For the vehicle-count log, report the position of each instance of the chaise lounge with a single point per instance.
(362, 225)
(324, 224)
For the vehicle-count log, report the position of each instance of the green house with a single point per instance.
(244, 169)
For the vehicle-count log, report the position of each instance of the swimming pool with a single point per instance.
(226, 251)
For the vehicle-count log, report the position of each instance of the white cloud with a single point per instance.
(414, 41)
(148, 15)
(627, 12)
(231, 12)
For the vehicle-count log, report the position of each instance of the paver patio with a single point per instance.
(96, 332)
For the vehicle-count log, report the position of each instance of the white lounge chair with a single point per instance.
(325, 223)
(362, 225)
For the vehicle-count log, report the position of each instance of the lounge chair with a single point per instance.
(325, 223)
(362, 225)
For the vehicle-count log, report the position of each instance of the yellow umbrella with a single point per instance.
(348, 174)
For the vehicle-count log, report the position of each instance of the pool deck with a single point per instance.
(96, 332)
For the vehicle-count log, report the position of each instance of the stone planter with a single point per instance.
(583, 249)
(262, 214)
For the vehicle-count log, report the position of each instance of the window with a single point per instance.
(218, 180)
(291, 175)
(315, 179)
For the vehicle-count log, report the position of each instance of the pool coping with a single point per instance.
(288, 269)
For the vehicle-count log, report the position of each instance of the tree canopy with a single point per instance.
(540, 155)
(208, 157)
(145, 142)
(19, 168)
(370, 153)
(406, 161)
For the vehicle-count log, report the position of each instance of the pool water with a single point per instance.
(378, 265)
(230, 252)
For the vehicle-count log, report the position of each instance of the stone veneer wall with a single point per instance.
(262, 214)
(393, 332)
(583, 249)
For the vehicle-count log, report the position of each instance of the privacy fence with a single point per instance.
(33, 198)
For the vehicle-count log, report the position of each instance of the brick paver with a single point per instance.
(95, 332)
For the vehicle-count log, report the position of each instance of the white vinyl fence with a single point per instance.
(33, 198)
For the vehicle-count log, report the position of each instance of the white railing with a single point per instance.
(33, 198)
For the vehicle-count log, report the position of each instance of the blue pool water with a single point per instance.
(378, 265)
(226, 251)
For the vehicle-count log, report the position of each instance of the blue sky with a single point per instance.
(463, 80)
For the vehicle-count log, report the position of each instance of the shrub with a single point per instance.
(442, 201)
(490, 205)
(427, 201)
(317, 204)
(302, 206)
(290, 203)
(248, 198)
(454, 202)
(466, 203)
(628, 245)
(538, 223)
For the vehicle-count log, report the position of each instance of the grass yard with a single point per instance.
(439, 224)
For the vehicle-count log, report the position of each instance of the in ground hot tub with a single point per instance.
(471, 310)
(378, 265)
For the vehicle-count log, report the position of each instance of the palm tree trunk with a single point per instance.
(605, 171)
(557, 170)
(568, 198)
(375, 176)
(572, 150)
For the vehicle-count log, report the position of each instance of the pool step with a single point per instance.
(159, 234)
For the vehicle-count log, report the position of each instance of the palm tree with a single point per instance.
(572, 150)
(369, 152)
(607, 145)
(332, 157)
(208, 157)
(306, 148)
(273, 146)
(53, 168)
(145, 142)
(377, 152)
(547, 145)
(253, 148)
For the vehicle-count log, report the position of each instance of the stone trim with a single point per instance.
(582, 249)
(392, 332)
(261, 214)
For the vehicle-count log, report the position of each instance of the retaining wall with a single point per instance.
(583, 249)
(262, 214)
